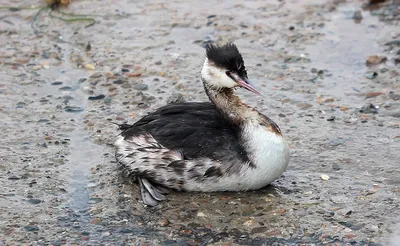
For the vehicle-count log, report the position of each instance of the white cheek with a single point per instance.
(216, 76)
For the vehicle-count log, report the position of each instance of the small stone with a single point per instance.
(350, 235)
(88, 46)
(394, 42)
(375, 60)
(261, 229)
(369, 109)
(176, 98)
(163, 222)
(324, 177)
(89, 66)
(394, 96)
(137, 74)
(291, 28)
(95, 221)
(357, 15)
(73, 109)
(125, 70)
(34, 201)
(336, 167)
(304, 106)
(248, 211)
(95, 75)
(140, 87)
(332, 118)
(98, 97)
(371, 75)
(66, 88)
(201, 214)
(119, 81)
(373, 94)
(13, 177)
(337, 141)
(31, 228)
(142, 105)
(248, 223)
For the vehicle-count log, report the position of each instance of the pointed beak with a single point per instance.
(245, 83)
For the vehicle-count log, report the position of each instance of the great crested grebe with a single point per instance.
(222, 145)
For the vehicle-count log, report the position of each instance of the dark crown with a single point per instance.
(227, 57)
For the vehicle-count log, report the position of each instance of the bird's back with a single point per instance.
(195, 129)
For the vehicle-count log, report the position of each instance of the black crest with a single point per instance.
(228, 57)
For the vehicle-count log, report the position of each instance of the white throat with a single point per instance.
(216, 76)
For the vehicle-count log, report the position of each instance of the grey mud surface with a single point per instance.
(60, 185)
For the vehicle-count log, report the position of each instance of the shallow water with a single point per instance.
(61, 184)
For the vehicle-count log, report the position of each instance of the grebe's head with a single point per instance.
(224, 68)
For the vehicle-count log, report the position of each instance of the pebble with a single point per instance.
(394, 96)
(95, 75)
(34, 201)
(140, 87)
(324, 177)
(176, 98)
(369, 109)
(119, 81)
(89, 66)
(137, 74)
(201, 214)
(357, 15)
(31, 228)
(57, 83)
(304, 106)
(337, 141)
(163, 222)
(248, 211)
(394, 42)
(13, 177)
(248, 223)
(261, 229)
(350, 235)
(98, 97)
(375, 60)
(73, 109)
(66, 88)
(371, 75)
(332, 118)
(373, 94)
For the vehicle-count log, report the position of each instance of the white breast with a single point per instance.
(270, 154)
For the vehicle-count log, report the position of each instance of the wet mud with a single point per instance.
(329, 73)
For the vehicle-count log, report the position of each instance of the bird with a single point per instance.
(220, 145)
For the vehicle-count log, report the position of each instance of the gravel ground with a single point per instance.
(329, 72)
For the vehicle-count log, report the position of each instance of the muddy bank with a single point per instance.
(58, 97)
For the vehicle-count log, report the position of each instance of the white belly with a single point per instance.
(270, 155)
(269, 152)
